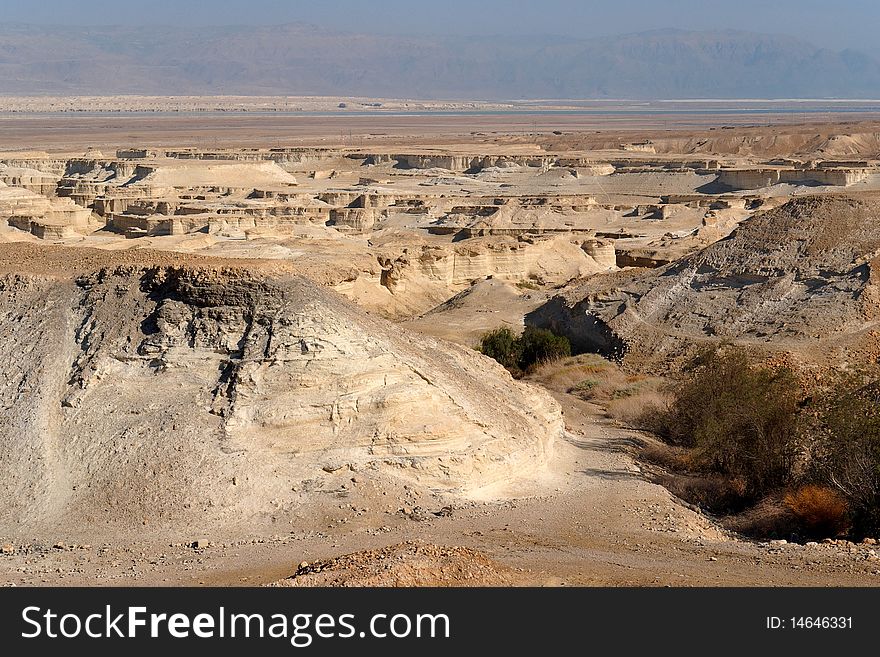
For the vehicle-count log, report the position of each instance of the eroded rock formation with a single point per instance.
(190, 393)
(801, 277)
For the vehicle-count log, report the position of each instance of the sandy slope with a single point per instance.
(592, 518)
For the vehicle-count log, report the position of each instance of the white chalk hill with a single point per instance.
(201, 395)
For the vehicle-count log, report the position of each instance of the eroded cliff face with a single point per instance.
(424, 276)
(171, 393)
(799, 278)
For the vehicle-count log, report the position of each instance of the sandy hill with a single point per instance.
(802, 277)
(413, 563)
(178, 390)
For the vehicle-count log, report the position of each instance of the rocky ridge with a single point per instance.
(801, 278)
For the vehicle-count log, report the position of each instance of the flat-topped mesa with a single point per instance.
(473, 163)
(180, 218)
(758, 178)
(639, 147)
(515, 215)
(92, 182)
(39, 161)
(87, 179)
(137, 153)
(34, 180)
(135, 200)
(281, 155)
(355, 220)
(43, 217)
(550, 259)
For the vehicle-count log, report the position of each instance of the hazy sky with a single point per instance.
(837, 23)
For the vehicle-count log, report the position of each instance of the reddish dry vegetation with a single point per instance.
(820, 510)
(748, 440)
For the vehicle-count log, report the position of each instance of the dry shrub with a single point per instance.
(742, 418)
(666, 456)
(632, 410)
(769, 518)
(848, 459)
(821, 511)
(810, 511)
(714, 493)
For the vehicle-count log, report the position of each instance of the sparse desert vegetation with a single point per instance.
(590, 377)
(846, 449)
(739, 419)
(747, 440)
(521, 354)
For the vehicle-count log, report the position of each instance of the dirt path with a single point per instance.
(591, 519)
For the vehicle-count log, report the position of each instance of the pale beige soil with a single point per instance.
(591, 519)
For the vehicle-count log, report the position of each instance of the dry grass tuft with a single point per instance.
(633, 410)
(769, 518)
(625, 397)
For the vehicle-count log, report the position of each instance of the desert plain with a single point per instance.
(239, 336)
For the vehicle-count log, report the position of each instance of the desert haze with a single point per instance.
(302, 59)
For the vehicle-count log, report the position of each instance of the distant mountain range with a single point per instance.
(306, 60)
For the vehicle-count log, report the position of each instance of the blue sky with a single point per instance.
(837, 24)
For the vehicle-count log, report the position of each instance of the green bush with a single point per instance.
(585, 386)
(502, 345)
(541, 346)
(523, 353)
(751, 425)
(741, 419)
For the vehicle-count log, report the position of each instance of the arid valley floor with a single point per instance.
(238, 346)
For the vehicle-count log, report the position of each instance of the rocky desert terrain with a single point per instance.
(247, 356)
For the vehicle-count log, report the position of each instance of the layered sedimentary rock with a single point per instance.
(39, 215)
(474, 163)
(765, 177)
(355, 220)
(34, 180)
(554, 260)
(804, 274)
(229, 389)
(602, 251)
